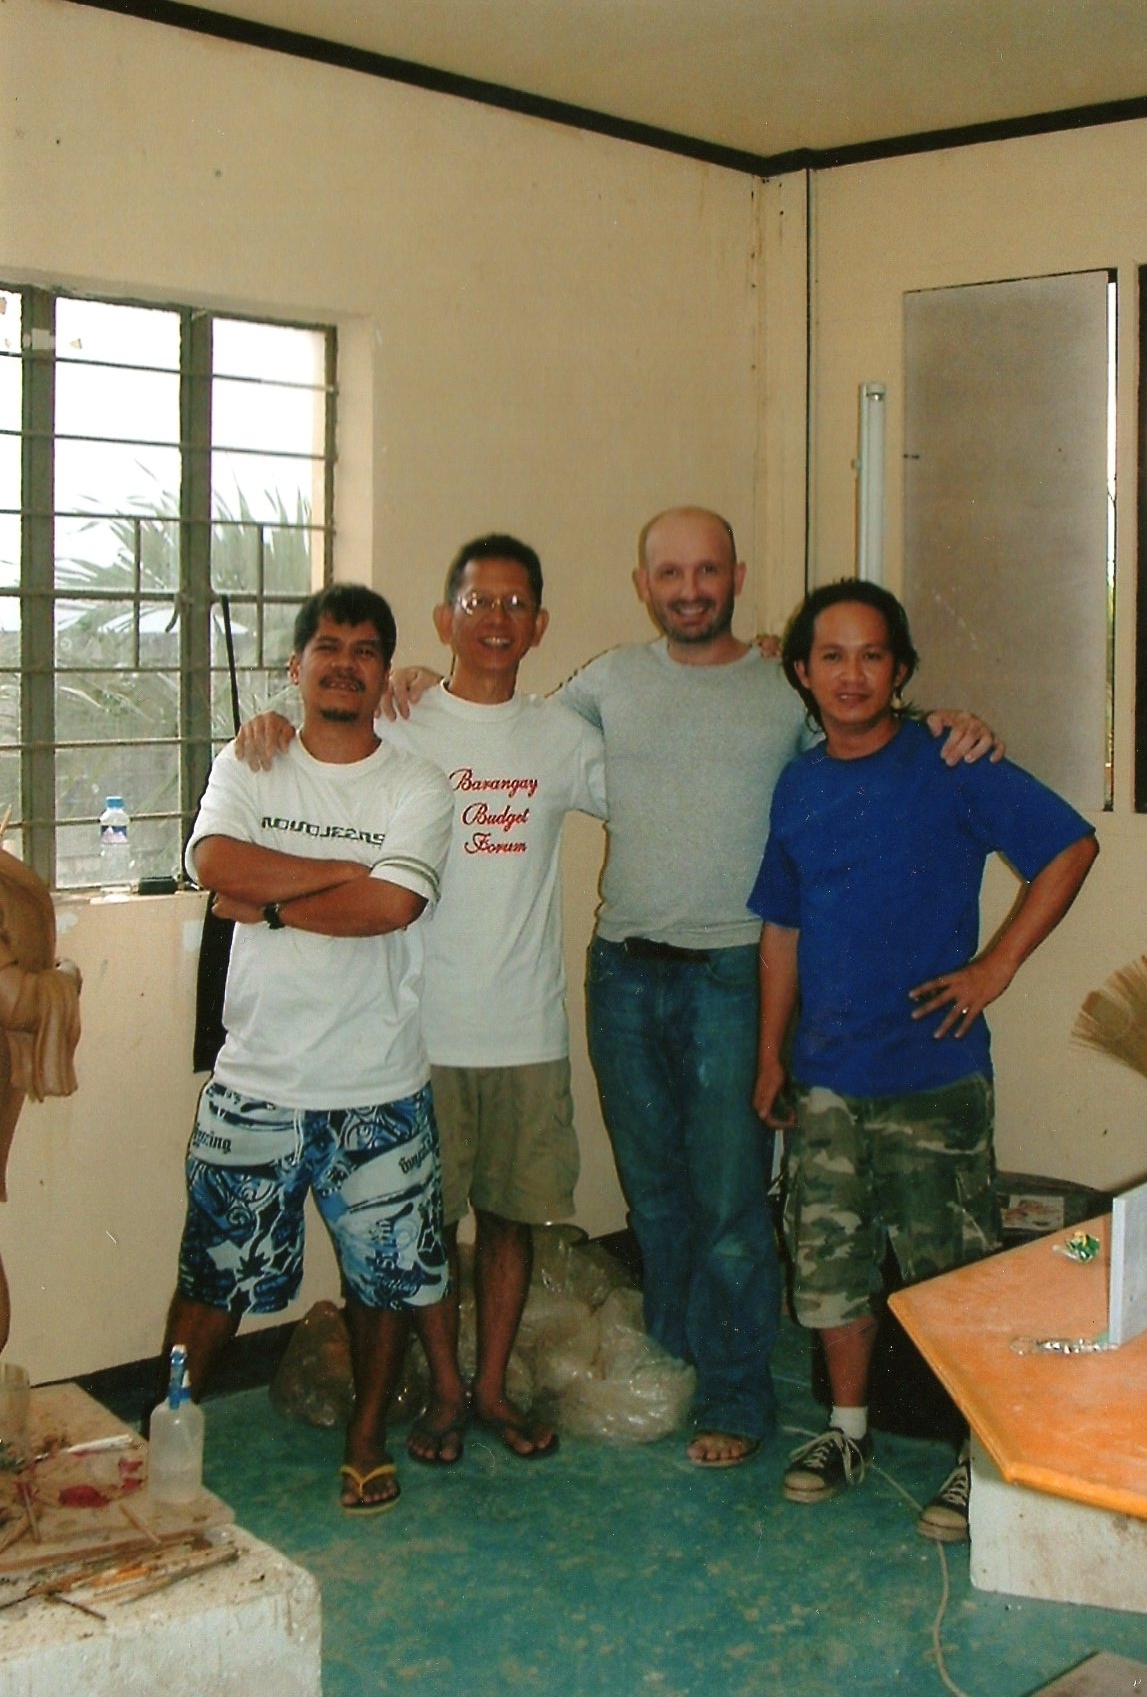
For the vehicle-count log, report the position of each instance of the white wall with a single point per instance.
(540, 331)
(1037, 206)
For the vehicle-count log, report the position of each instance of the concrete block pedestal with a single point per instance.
(248, 1627)
(1032, 1544)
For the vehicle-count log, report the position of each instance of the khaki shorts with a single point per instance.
(915, 1170)
(508, 1141)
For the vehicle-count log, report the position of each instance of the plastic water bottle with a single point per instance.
(115, 849)
(175, 1448)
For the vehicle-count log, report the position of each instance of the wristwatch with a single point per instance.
(273, 916)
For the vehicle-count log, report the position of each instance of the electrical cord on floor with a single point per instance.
(945, 1584)
(945, 1578)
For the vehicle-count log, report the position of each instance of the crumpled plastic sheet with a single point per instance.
(313, 1381)
(627, 1390)
(582, 1360)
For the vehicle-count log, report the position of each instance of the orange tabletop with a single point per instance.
(1074, 1425)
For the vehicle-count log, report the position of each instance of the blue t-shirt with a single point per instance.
(877, 862)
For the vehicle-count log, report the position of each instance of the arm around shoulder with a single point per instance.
(969, 738)
(581, 693)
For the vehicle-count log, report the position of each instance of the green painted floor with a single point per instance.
(629, 1572)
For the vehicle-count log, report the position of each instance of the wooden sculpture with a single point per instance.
(39, 1013)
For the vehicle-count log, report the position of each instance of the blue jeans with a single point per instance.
(674, 1047)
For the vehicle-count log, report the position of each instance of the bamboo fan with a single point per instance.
(1114, 1019)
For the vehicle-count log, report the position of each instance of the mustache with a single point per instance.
(346, 678)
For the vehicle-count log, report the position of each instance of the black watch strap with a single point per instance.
(273, 916)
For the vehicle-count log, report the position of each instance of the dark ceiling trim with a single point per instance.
(203, 21)
(967, 135)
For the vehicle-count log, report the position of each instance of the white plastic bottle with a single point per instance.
(175, 1447)
(115, 849)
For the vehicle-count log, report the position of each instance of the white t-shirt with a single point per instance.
(495, 972)
(328, 1022)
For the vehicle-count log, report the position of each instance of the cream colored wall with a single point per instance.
(540, 330)
(91, 1227)
(544, 331)
(1021, 208)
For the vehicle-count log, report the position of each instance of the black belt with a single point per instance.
(645, 948)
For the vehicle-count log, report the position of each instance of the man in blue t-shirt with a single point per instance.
(869, 893)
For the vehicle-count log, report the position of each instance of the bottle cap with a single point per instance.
(177, 1375)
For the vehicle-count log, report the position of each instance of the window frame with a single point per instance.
(194, 595)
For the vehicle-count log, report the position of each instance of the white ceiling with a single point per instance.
(763, 76)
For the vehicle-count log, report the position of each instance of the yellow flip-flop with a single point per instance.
(360, 1481)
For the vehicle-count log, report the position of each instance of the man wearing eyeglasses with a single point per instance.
(493, 1009)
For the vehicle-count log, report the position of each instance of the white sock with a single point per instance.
(853, 1422)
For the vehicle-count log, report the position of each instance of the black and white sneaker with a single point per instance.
(826, 1465)
(945, 1518)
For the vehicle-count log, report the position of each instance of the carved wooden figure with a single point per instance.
(39, 1013)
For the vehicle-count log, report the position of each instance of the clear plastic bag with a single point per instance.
(597, 1374)
(313, 1381)
(631, 1391)
(582, 1358)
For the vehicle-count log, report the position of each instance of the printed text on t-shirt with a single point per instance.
(491, 824)
(337, 833)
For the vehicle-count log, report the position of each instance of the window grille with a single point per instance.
(155, 464)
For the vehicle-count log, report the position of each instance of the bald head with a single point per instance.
(693, 516)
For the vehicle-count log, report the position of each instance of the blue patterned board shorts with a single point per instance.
(376, 1180)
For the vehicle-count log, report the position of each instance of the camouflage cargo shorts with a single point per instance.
(915, 1170)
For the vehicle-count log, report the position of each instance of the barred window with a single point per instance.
(166, 493)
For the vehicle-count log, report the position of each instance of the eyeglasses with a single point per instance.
(474, 605)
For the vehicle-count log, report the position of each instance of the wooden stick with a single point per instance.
(21, 1529)
(101, 1570)
(186, 1570)
(26, 1498)
(129, 1574)
(134, 1520)
(74, 1603)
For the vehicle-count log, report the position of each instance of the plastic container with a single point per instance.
(115, 847)
(175, 1448)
